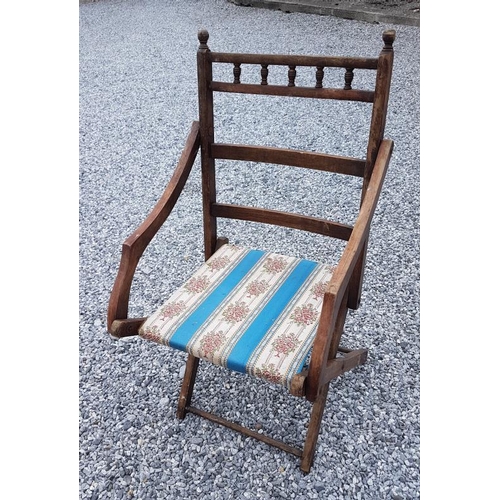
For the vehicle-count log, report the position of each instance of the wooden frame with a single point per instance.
(328, 359)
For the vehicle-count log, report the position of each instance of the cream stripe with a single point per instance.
(277, 327)
(237, 295)
(192, 300)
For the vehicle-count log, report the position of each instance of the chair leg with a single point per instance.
(313, 430)
(187, 385)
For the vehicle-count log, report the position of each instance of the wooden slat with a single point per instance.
(294, 158)
(286, 219)
(280, 90)
(295, 60)
(338, 366)
(349, 359)
(245, 431)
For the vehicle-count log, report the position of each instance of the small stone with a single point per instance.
(319, 487)
(182, 371)
(396, 496)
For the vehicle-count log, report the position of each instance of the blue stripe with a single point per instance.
(190, 325)
(239, 356)
(301, 365)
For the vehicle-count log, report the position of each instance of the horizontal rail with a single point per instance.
(283, 90)
(290, 157)
(244, 430)
(348, 360)
(285, 219)
(295, 60)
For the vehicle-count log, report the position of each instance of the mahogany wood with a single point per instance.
(237, 73)
(380, 103)
(295, 60)
(348, 360)
(348, 77)
(187, 387)
(319, 77)
(286, 219)
(313, 429)
(294, 158)
(292, 73)
(135, 244)
(292, 91)
(356, 283)
(341, 276)
(220, 242)
(244, 430)
(264, 72)
(338, 328)
(126, 327)
(340, 365)
(206, 110)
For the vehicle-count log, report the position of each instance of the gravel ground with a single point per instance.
(137, 101)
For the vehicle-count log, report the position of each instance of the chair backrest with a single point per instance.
(378, 96)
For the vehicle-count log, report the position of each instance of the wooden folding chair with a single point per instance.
(268, 315)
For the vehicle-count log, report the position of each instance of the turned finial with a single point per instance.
(203, 38)
(388, 36)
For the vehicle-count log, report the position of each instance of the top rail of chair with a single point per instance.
(295, 60)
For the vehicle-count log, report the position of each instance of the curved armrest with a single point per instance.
(334, 299)
(136, 243)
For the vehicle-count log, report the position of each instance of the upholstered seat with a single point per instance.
(248, 310)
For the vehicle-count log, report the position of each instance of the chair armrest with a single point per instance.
(136, 243)
(339, 283)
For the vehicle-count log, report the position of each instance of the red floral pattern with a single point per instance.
(234, 313)
(269, 372)
(151, 333)
(197, 284)
(256, 287)
(210, 343)
(285, 344)
(275, 265)
(319, 289)
(304, 315)
(173, 309)
(218, 263)
(276, 358)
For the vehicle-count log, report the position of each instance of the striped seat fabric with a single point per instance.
(248, 310)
